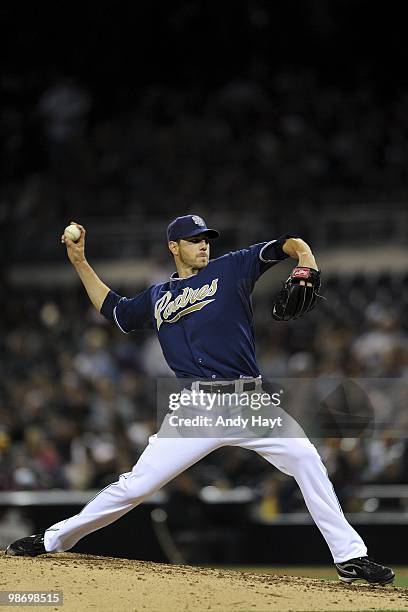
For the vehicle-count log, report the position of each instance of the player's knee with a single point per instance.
(139, 487)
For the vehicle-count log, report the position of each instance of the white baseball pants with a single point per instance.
(165, 458)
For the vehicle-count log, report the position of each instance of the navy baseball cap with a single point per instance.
(189, 226)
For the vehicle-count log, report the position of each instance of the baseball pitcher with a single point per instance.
(203, 319)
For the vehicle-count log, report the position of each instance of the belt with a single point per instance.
(234, 386)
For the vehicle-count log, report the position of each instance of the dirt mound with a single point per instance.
(105, 583)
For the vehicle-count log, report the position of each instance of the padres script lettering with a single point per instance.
(165, 306)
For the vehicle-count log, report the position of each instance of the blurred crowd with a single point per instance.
(78, 399)
(264, 149)
(77, 403)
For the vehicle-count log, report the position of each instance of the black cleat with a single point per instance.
(364, 568)
(27, 547)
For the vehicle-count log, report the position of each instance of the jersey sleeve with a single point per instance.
(129, 314)
(252, 262)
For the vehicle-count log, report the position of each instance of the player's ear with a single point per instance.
(173, 247)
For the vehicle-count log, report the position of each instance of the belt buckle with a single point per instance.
(248, 386)
(214, 387)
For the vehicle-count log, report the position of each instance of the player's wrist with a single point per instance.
(307, 260)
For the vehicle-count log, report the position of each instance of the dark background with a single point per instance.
(117, 51)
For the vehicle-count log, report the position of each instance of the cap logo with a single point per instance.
(198, 220)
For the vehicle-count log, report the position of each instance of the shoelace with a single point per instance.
(371, 562)
(367, 561)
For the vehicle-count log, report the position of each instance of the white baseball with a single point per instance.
(72, 232)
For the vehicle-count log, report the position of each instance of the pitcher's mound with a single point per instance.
(105, 583)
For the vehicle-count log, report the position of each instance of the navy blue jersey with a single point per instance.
(204, 322)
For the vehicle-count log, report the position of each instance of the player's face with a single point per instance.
(194, 252)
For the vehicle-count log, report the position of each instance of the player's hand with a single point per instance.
(75, 250)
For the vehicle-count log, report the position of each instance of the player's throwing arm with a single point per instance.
(74, 239)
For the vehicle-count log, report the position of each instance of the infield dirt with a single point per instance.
(105, 583)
